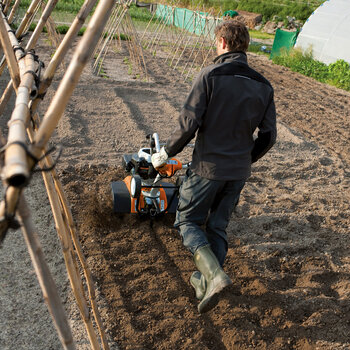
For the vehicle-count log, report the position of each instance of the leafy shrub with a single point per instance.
(340, 74)
(337, 74)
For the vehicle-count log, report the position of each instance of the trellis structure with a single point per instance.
(119, 21)
(187, 49)
(26, 147)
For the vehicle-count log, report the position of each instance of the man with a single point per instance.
(226, 104)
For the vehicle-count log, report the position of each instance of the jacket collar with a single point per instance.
(232, 56)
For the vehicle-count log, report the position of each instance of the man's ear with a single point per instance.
(224, 44)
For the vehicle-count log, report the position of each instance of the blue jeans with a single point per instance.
(204, 210)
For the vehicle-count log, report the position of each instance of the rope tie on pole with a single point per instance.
(19, 48)
(35, 159)
(54, 162)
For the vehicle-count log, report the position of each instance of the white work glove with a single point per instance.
(159, 159)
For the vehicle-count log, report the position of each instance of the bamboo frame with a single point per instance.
(108, 27)
(162, 27)
(60, 53)
(66, 225)
(30, 45)
(119, 18)
(70, 79)
(136, 46)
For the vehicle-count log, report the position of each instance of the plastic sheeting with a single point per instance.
(199, 23)
(327, 32)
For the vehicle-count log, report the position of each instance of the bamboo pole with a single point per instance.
(112, 33)
(7, 206)
(27, 17)
(59, 200)
(159, 25)
(110, 36)
(163, 25)
(43, 273)
(148, 24)
(186, 45)
(61, 52)
(16, 169)
(67, 249)
(105, 35)
(208, 53)
(70, 79)
(108, 27)
(9, 54)
(40, 25)
(13, 11)
(21, 27)
(177, 44)
(137, 46)
(7, 6)
(58, 103)
(30, 45)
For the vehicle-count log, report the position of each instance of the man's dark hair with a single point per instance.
(235, 34)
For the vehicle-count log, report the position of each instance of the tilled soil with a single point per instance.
(289, 238)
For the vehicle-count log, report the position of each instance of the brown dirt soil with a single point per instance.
(288, 257)
(289, 238)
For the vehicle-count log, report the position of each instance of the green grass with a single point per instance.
(255, 34)
(336, 74)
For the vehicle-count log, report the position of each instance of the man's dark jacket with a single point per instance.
(227, 102)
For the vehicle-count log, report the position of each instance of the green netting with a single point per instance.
(283, 40)
(193, 22)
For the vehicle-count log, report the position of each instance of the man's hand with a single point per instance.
(159, 159)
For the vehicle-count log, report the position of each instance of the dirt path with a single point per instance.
(289, 240)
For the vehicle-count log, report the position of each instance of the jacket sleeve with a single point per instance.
(191, 116)
(267, 132)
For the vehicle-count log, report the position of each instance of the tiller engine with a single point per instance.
(144, 191)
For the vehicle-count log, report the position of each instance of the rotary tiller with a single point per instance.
(144, 191)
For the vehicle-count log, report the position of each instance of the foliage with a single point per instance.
(337, 74)
(340, 74)
(140, 14)
(260, 35)
(267, 8)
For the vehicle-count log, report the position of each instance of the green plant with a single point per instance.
(337, 74)
(340, 74)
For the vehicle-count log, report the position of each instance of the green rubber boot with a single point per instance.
(197, 281)
(215, 277)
